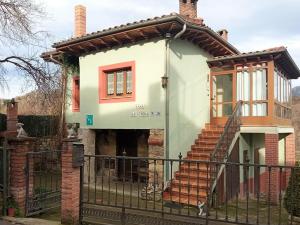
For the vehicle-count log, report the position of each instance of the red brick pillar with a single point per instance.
(19, 147)
(12, 119)
(272, 157)
(290, 151)
(290, 156)
(70, 186)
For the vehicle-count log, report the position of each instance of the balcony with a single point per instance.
(264, 88)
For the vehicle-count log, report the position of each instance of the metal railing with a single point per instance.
(133, 190)
(224, 147)
(232, 126)
(4, 175)
(43, 181)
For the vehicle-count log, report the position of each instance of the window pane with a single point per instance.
(245, 109)
(224, 88)
(243, 86)
(129, 82)
(110, 84)
(120, 83)
(259, 79)
(259, 109)
(275, 85)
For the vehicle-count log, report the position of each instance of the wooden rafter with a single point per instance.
(116, 40)
(104, 43)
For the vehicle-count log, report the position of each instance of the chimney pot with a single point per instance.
(80, 20)
(224, 34)
(188, 8)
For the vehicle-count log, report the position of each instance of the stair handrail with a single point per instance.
(232, 126)
(221, 151)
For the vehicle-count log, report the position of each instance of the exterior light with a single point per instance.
(164, 81)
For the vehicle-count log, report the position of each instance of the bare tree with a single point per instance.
(20, 39)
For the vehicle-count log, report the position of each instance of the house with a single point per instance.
(169, 85)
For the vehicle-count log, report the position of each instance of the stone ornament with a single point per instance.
(21, 132)
(72, 131)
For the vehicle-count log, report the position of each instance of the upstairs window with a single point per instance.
(117, 83)
(76, 94)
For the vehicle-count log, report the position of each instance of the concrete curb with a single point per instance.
(29, 221)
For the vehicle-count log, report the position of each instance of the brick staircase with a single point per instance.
(192, 180)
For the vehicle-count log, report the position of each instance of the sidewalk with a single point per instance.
(26, 221)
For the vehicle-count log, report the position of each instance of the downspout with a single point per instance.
(167, 98)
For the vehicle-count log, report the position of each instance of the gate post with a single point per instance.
(70, 186)
(19, 147)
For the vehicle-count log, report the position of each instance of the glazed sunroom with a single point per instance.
(261, 80)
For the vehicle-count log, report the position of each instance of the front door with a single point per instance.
(126, 142)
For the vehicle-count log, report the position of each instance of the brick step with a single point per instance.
(185, 192)
(207, 133)
(194, 167)
(216, 129)
(192, 201)
(203, 148)
(195, 185)
(212, 126)
(192, 177)
(209, 142)
(208, 137)
(194, 155)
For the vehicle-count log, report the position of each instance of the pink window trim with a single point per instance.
(103, 87)
(75, 92)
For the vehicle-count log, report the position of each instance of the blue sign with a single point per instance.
(89, 120)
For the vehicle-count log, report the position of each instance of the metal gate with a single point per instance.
(4, 174)
(133, 191)
(43, 181)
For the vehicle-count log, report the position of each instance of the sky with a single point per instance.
(252, 24)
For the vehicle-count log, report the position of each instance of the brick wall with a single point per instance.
(271, 158)
(296, 124)
(156, 150)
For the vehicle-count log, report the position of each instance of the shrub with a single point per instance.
(292, 196)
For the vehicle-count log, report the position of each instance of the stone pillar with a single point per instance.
(12, 119)
(18, 153)
(88, 138)
(271, 158)
(70, 186)
(156, 150)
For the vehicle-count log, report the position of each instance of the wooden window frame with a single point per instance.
(75, 94)
(114, 68)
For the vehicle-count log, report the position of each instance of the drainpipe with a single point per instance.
(167, 98)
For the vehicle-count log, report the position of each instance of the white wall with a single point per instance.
(189, 95)
(149, 62)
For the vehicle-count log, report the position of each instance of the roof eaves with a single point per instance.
(118, 29)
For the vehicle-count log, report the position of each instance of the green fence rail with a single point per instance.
(40, 126)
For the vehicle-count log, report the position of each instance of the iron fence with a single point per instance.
(43, 181)
(134, 191)
(2, 122)
(4, 175)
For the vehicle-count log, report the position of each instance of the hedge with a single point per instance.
(35, 126)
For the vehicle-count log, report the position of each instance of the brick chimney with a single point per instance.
(188, 8)
(224, 34)
(80, 20)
